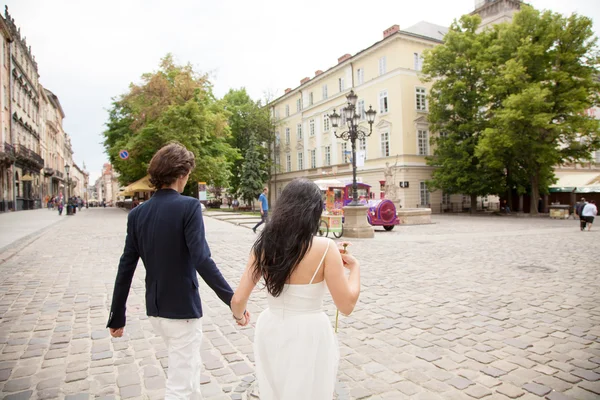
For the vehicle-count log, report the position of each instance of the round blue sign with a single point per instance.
(124, 154)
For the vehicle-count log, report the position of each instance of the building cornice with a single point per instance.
(400, 35)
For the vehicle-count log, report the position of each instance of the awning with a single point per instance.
(324, 184)
(575, 181)
(27, 178)
(142, 185)
(588, 189)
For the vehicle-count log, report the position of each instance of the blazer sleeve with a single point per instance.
(127, 266)
(200, 255)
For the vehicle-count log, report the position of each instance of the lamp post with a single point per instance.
(68, 194)
(353, 133)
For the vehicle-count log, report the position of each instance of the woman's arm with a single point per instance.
(243, 291)
(344, 291)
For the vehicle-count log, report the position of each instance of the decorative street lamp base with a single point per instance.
(356, 224)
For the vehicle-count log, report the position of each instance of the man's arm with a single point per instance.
(127, 266)
(200, 253)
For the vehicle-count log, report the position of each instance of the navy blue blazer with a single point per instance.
(167, 232)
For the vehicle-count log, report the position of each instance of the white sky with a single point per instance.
(89, 51)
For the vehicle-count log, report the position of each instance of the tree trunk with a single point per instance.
(473, 203)
(509, 199)
(535, 194)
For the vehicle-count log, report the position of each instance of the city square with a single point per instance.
(496, 307)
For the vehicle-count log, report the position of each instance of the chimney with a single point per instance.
(288, 90)
(344, 58)
(391, 30)
(303, 81)
(318, 72)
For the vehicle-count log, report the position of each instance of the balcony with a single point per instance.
(48, 171)
(59, 174)
(7, 155)
(29, 157)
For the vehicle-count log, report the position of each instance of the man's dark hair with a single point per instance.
(170, 163)
(264, 189)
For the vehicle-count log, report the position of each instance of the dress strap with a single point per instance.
(321, 263)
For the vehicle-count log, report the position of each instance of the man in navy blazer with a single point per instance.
(167, 232)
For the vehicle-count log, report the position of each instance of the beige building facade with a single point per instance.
(7, 155)
(386, 76)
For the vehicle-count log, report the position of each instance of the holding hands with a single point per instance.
(243, 320)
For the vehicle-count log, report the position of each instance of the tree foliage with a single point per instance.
(457, 111)
(545, 77)
(253, 174)
(251, 126)
(174, 103)
(511, 102)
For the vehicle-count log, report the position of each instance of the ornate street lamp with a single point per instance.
(353, 133)
(67, 169)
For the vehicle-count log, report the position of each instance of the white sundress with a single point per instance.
(295, 348)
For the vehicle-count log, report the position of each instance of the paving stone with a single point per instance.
(49, 383)
(478, 391)
(495, 372)
(585, 374)
(241, 369)
(537, 389)
(553, 395)
(19, 396)
(460, 383)
(128, 379)
(100, 334)
(593, 387)
(79, 396)
(510, 390)
(156, 383)
(15, 385)
(129, 392)
(102, 356)
(76, 376)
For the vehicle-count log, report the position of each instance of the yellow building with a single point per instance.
(385, 76)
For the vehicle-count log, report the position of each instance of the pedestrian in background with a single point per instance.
(264, 209)
(167, 232)
(579, 211)
(589, 212)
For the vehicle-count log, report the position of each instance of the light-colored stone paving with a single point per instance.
(15, 226)
(466, 308)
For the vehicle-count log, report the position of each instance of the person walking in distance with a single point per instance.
(579, 211)
(264, 209)
(167, 232)
(589, 212)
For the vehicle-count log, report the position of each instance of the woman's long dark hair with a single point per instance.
(288, 234)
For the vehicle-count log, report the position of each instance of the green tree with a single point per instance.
(253, 174)
(248, 119)
(545, 76)
(172, 104)
(457, 111)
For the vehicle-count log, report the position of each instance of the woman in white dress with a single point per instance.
(296, 351)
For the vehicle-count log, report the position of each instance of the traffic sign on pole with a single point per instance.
(124, 154)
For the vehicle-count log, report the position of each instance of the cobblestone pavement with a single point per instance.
(468, 307)
(17, 226)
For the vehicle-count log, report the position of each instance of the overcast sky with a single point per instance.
(89, 51)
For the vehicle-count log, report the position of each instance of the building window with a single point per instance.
(288, 162)
(421, 99)
(299, 131)
(311, 127)
(446, 198)
(327, 155)
(345, 155)
(341, 84)
(382, 66)
(423, 142)
(418, 60)
(360, 76)
(423, 194)
(385, 144)
(300, 161)
(313, 158)
(299, 105)
(276, 114)
(360, 106)
(287, 110)
(325, 123)
(324, 92)
(362, 146)
(287, 135)
(598, 156)
(383, 102)
(310, 99)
